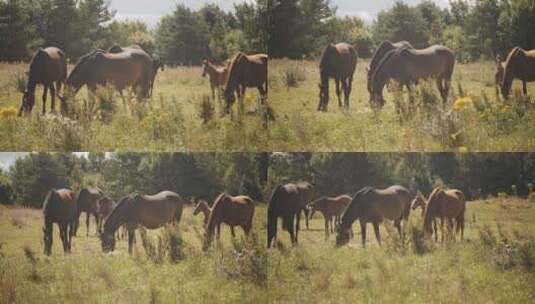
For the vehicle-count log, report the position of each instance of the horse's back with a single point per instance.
(60, 205)
(286, 199)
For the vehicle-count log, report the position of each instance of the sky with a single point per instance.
(150, 11)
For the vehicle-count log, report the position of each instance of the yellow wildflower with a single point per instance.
(463, 103)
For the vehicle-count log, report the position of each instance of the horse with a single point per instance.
(87, 202)
(202, 206)
(231, 210)
(149, 211)
(59, 207)
(338, 61)
(308, 193)
(409, 66)
(330, 207)
(48, 66)
(285, 202)
(520, 64)
(379, 54)
(445, 204)
(371, 205)
(246, 71)
(105, 206)
(218, 76)
(420, 201)
(132, 67)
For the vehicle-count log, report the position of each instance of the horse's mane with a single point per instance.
(429, 206)
(123, 202)
(514, 52)
(375, 58)
(325, 57)
(232, 73)
(381, 64)
(211, 219)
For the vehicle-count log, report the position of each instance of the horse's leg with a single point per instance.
(397, 224)
(524, 87)
(53, 94)
(349, 89)
(232, 231)
(297, 224)
(63, 236)
(344, 87)
(87, 218)
(306, 217)
(338, 91)
(293, 236)
(45, 93)
(218, 231)
(97, 220)
(131, 239)
(377, 233)
(326, 227)
(436, 229)
(363, 233)
(213, 91)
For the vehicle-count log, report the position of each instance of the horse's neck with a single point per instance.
(114, 221)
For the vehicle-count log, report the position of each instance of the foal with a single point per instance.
(218, 77)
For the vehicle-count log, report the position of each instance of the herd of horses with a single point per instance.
(368, 205)
(64, 207)
(407, 66)
(131, 67)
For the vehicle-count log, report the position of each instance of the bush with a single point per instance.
(169, 244)
(292, 76)
(206, 109)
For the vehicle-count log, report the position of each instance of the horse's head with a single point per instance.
(28, 101)
(107, 241)
(418, 202)
(343, 235)
(513, 62)
(230, 98)
(204, 68)
(377, 101)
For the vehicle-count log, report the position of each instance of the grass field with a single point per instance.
(481, 122)
(230, 273)
(494, 264)
(182, 117)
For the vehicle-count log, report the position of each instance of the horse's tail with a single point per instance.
(273, 214)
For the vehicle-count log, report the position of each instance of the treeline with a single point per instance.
(79, 26)
(473, 29)
(204, 175)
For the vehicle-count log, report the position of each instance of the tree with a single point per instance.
(16, 31)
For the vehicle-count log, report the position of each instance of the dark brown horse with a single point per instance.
(338, 61)
(48, 66)
(218, 76)
(371, 205)
(59, 207)
(105, 207)
(285, 202)
(308, 193)
(130, 68)
(520, 64)
(88, 202)
(331, 208)
(447, 205)
(379, 54)
(231, 210)
(246, 71)
(409, 66)
(149, 211)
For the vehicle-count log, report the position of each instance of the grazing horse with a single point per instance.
(88, 202)
(246, 71)
(338, 61)
(520, 64)
(132, 67)
(330, 207)
(420, 201)
(202, 206)
(47, 66)
(379, 54)
(105, 207)
(285, 202)
(218, 76)
(59, 207)
(308, 193)
(231, 210)
(370, 205)
(408, 66)
(449, 205)
(149, 211)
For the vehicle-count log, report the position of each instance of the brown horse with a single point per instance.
(371, 205)
(379, 54)
(149, 211)
(218, 76)
(330, 207)
(285, 202)
(338, 61)
(520, 64)
(420, 201)
(246, 71)
(202, 206)
(308, 193)
(409, 66)
(59, 207)
(47, 66)
(231, 210)
(447, 205)
(105, 207)
(88, 202)
(130, 68)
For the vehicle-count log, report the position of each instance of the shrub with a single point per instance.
(169, 244)
(292, 75)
